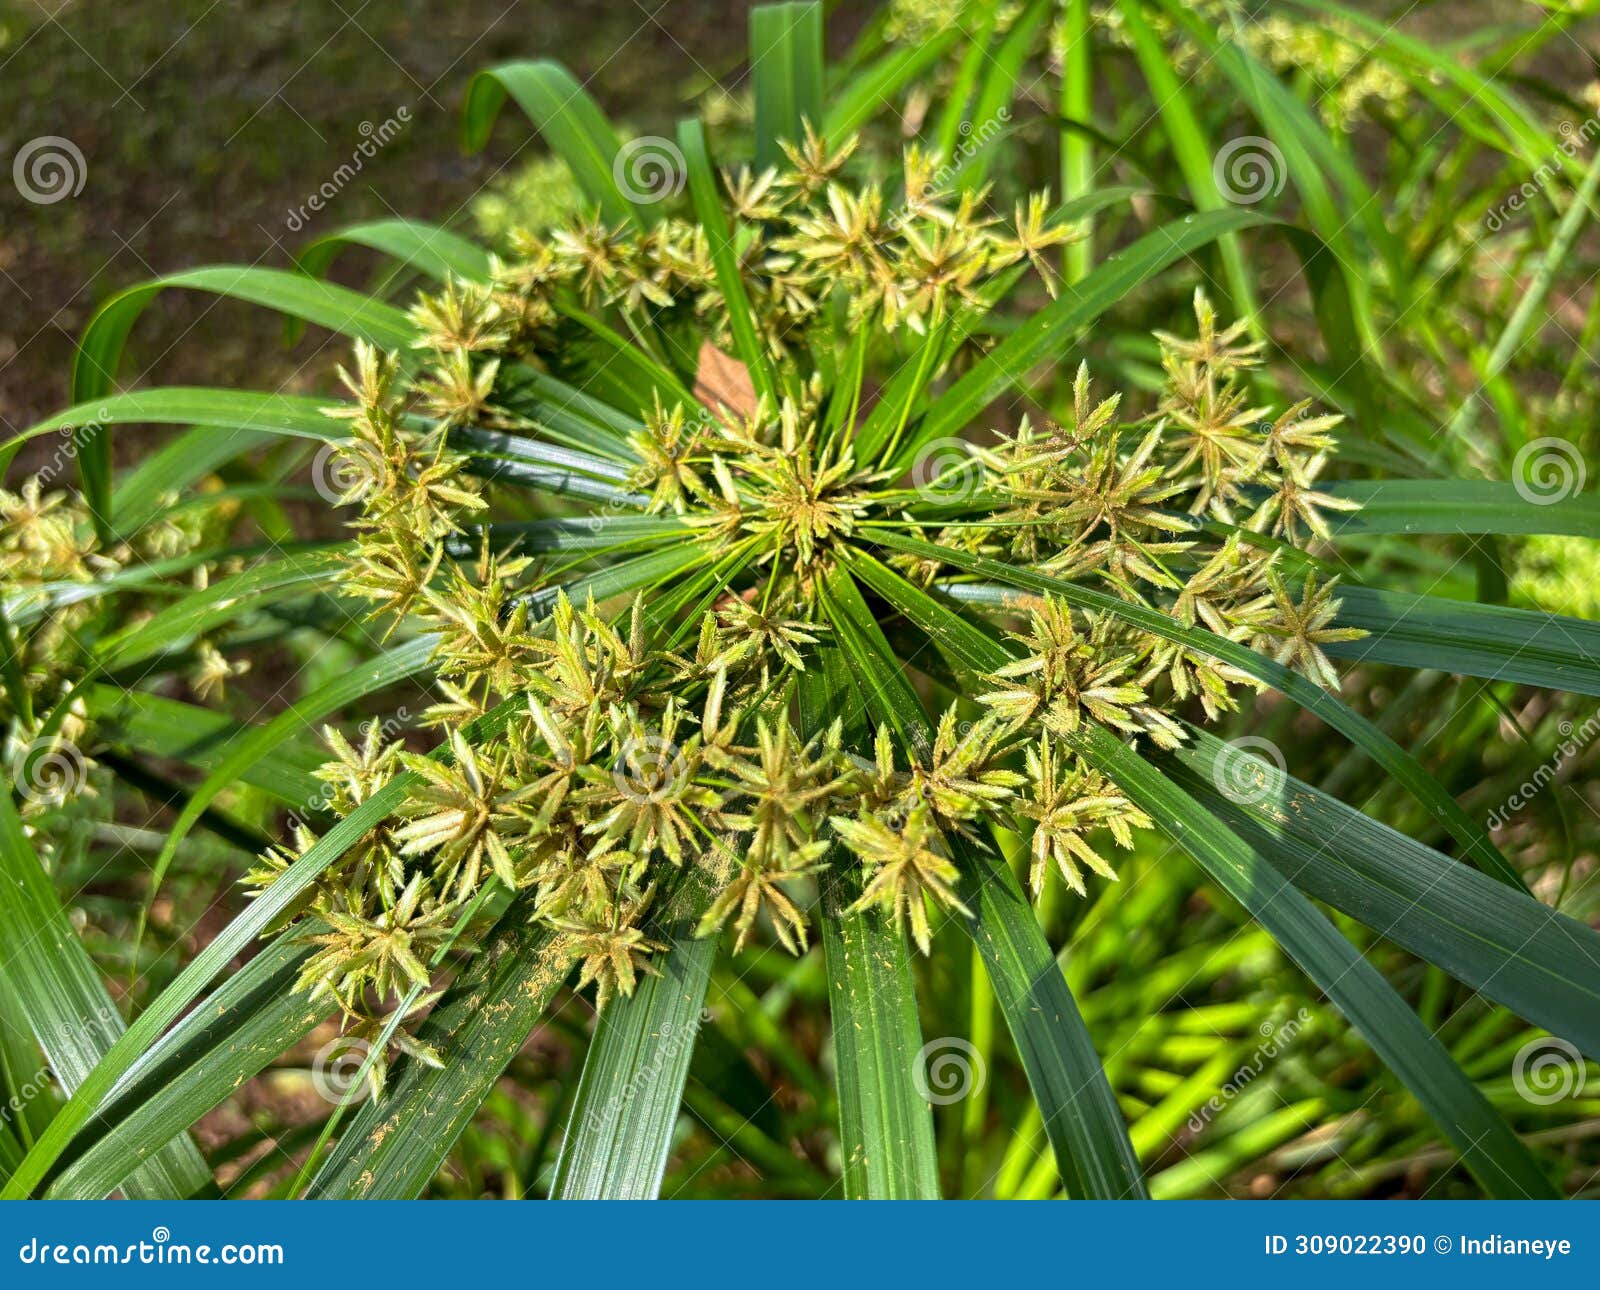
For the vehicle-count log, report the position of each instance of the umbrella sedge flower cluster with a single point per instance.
(48, 555)
(618, 726)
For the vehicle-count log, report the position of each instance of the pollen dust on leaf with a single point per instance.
(721, 380)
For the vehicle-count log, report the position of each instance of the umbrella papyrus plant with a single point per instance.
(781, 577)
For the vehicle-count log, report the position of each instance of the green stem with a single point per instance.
(1521, 320)
(932, 344)
(1077, 150)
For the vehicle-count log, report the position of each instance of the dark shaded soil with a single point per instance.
(205, 124)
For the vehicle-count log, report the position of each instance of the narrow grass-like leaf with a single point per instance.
(291, 414)
(70, 1011)
(1467, 506)
(427, 248)
(1093, 1152)
(724, 256)
(568, 415)
(885, 1128)
(25, 1080)
(875, 87)
(253, 1017)
(1001, 74)
(99, 353)
(222, 602)
(520, 448)
(1535, 960)
(570, 122)
(1490, 1150)
(785, 73)
(1310, 157)
(30, 604)
(1079, 1111)
(1080, 1114)
(1523, 136)
(254, 742)
(601, 533)
(619, 369)
(394, 1146)
(1527, 316)
(631, 1090)
(294, 294)
(979, 32)
(1077, 149)
(271, 905)
(1190, 147)
(1461, 636)
(155, 726)
(190, 456)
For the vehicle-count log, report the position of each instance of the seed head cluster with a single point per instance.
(652, 759)
(630, 551)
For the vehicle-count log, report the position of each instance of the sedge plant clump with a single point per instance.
(618, 719)
(821, 556)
